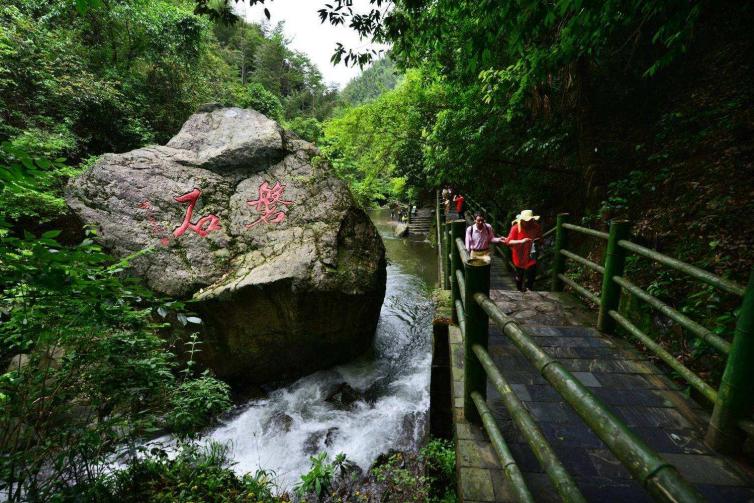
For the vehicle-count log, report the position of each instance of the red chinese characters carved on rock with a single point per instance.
(267, 203)
(157, 229)
(204, 225)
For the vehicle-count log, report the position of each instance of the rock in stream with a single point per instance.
(288, 274)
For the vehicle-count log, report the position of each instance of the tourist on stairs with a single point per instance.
(479, 235)
(521, 240)
(460, 206)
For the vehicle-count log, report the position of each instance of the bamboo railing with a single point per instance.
(733, 400)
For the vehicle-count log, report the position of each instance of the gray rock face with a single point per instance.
(286, 271)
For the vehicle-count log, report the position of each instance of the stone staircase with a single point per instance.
(421, 222)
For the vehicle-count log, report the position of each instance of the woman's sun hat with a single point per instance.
(525, 216)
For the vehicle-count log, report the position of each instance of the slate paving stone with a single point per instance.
(476, 485)
(567, 342)
(547, 331)
(602, 353)
(596, 365)
(623, 381)
(524, 457)
(522, 392)
(701, 469)
(555, 412)
(476, 453)
(540, 393)
(501, 486)
(576, 460)
(569, 435)
(638, 397)
(519, 377)
(607, 465)
(612, 491)
(499, 411)
(541, 488)
(651, 416)
(726, 494)
(588, 379)
(677, 441)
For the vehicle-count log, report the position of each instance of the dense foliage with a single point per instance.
(90, 360)
(601, 109)
(125, 74)
(375, 80)
(194, 474)
(378, 146)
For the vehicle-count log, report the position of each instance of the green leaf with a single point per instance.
(51, 234)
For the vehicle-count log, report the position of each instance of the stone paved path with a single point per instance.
(622, 378)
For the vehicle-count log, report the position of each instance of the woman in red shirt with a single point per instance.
(521, 238)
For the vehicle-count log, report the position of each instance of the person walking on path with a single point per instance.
(521, 239)
(460, 206)
(479, 235)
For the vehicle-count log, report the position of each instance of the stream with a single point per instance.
(384, 402)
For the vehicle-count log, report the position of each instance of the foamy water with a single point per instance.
(281, 432)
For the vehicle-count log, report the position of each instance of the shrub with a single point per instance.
(263, 101)
(195, 404)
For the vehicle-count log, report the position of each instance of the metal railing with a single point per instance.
(473, 310)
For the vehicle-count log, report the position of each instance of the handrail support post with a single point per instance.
(477, 280)
(615, 261)
(735, 397)
(457, 229)
(558, 266)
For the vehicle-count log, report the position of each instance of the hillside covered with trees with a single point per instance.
(638, 110)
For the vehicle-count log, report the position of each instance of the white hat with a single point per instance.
(527, 215)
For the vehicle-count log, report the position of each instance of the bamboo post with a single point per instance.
(448, 242)
(477, 280)
(558, 264)
(735, 397)
(615, 260)
(444, 258)
(457, 229)
(442, 238)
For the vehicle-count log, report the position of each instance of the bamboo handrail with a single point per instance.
(693, 271)
(695, 328)
(690, 377)
(561, 479)
(510, 468)
(580, 289)
(584, 261)
(587, 231)
(659, 477)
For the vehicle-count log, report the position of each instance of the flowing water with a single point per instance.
(384, 402)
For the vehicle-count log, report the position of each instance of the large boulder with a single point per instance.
(287, 273)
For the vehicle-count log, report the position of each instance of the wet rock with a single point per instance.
(332, 433)
(318, 440)
(343, 396)
(286, 271)
(376, 390)
(401, 230)
(279, 422)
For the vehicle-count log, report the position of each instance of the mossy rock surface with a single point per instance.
(290, 278)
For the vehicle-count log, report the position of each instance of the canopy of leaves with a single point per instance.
(379, 78)
(378, 147)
